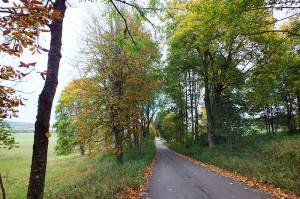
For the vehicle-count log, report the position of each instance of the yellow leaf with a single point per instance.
(20, 49)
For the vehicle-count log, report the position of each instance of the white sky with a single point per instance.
(34, 83)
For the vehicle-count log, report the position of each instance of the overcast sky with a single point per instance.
(33, 84)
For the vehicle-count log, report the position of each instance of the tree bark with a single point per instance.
(136, 141)
(192, 106)
(81, 147)
(117, 128)
(272, 119)
(148, 120)
(181, 123)
(196, 123)
(186, 109)
(266, 122)
(40, 145)
(290, 116)
(208, 106)
(298, 104)
(118, 145)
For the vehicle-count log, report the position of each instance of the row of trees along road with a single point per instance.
(234, 56)
(21, 23)
(104, 107)
(232, 49)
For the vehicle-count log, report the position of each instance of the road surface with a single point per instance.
(175, 177)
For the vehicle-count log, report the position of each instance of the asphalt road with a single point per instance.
(175, 177)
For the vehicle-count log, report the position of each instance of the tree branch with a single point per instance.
(272, 31)
(274, 7)
(125, 21)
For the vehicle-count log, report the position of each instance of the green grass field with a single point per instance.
(73, 176)
(15, 164)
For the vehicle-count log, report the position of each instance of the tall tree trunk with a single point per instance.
(81, 147)
(211, 127)
(118, 144)
(119, 147)
(290, 116)
(148, 121)
(181, 123)
(195, 89)
(272, 119)
(196, 123)
(268, 119)
(136, 140)
(117, 128)
(298, 110)
(186, 108)
(266, 122)
(192, 106)
(277, 110)
(40, 144)
(216, 103)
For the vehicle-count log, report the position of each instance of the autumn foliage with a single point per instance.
(20, 25)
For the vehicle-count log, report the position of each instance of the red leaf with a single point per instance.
(6, 32)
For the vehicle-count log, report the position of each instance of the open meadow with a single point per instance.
(15, 165)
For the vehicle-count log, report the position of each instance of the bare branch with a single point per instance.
(125, 21)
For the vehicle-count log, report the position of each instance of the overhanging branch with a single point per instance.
(272, 31)
(125, 21)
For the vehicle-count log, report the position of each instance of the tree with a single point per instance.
(273, 86)
(20, 25)
(7, 139)
(65, 125)
(151, 107)
(169, 127)
(161, 114)
(120, 80)
(206, 42)
(40, 145)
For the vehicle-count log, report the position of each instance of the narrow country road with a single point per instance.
(175, 177)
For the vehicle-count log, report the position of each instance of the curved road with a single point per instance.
(175, 177)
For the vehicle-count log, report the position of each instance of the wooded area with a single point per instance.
(231, 70)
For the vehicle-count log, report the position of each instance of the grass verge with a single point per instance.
(271, 160)
(107, 179)
(75, 176)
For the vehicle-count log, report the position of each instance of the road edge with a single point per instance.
(269, 189)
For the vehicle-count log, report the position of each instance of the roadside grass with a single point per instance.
(269, 159)
(73, 176)
(108, 180)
